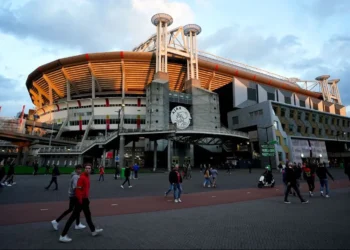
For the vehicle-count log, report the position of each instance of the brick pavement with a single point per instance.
(258, 224)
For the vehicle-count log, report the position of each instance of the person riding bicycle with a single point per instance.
(268, 174)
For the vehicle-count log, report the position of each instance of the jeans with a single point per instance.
(102, 176)
(72, 202)
(207, 181)
(324, 183)
(136, 174)
(177, 190)
(171, 188)
(76, 213)
(296, 189)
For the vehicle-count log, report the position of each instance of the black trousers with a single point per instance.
(135, 174)
(296, 189)
(101, 177)
(85, 206)
(72, 203)
(126, 180)
(311, 183)
(53, 180)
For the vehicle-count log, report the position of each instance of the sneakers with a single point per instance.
(165, 194)
(176, 200)
(287, 202)
(55, 225)
(311, 194)
(130, 186)
(327, 196)
(322, 193)
(80, 226)
(208, 186)
(304, 202)
(65, 239)
(179, 200)
(97, 231)
(122, 186)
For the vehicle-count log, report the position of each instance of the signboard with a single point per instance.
(268, 154)
(117, 158)
(267, 150)
(181, 117)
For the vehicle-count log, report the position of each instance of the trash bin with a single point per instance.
(122, 174)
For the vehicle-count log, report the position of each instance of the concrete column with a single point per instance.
(170, 151)
(68, 91)
(155, 156)
(103, 163)
(93, 87)
(25, 155)
(50, 95)
(192, 154)
(19, 155)
(133, 153)
(121, 151)
(80, 159)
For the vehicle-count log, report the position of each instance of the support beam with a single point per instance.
(170, 151)
(93, 87)
(53, 86)
(155, 147)
(68, 90)
(40, 90)
(68, 78)
(121, 151)
(210, 80)
(133, 153)
(50, 95)
(124, 84)
(93, 74)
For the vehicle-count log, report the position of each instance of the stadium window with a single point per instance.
(338, 121)
(235, 120)
(314, 117)
(320, 131)
(326, 120)
(320, 119)
(291, 127)
(313, 131)
(299, 115)
(291, 114)
(299, 129)
(315, 106)
(283, 126)
(251, 94)
(306, 130)
(302, 103)
(283, 112)
(306, 116)
(343, 123)
(270, 96)
(287, 100)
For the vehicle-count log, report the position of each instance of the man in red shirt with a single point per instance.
(82, 193)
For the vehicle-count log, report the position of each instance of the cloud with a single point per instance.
(87, 25)
(12, 103)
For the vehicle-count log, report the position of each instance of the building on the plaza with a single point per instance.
(166, 102)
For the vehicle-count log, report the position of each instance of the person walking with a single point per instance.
(291, 180)
(136, 171)
(35, 167)
(127, 177)
(72, 200)
(10, 173)
(207, 180)
(309, 176)
(102, 173)
(214, 173)
(175, 179)
(171, 187)
(322, 173)
(83, 203)
(2, 172)
(55, 174)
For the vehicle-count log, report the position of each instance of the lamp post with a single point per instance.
(267, 140)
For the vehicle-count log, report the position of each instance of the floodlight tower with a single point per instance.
(324, 86)
(192, 31)
(334, 90)
(162, 21)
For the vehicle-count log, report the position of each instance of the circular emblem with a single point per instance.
(181, 117)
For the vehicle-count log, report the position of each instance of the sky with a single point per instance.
(295, 38)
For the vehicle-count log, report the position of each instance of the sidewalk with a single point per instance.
(45, 211)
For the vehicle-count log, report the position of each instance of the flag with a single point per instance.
(80, 123)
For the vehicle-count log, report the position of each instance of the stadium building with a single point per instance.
(167, 102)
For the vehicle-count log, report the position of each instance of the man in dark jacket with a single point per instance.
(175, 179)
(291, 179)
(10, 173)
(127, 177)
(322, 173)
(55, 174)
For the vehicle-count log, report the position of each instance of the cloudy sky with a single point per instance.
(301, 39)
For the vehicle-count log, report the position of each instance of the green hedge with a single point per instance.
(25, 170)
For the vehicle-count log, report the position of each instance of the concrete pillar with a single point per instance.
(25, 155)
(103, 163)
(68, 91)
(80, 159)
(155, 156)
(93, 87)
(170, 151)
(19, 155)
(121, 151)
(192, 154)
(133, 153)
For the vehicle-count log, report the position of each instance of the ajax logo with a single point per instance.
(181, 117)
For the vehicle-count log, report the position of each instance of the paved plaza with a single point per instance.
(235, 215)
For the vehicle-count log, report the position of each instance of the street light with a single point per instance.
(267, 139)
